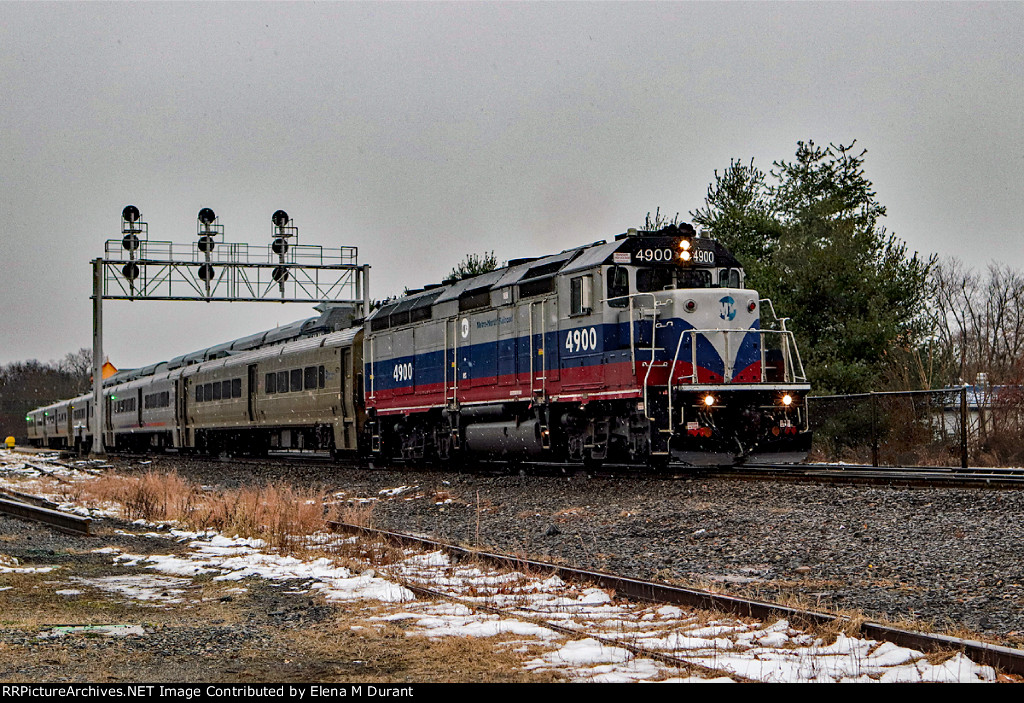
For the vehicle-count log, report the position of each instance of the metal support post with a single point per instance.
(874, 429)
(963, 427)
(99, 411)
(365, 281)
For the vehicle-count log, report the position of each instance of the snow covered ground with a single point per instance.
(582, 633)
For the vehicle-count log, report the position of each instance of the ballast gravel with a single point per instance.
(950, 558)
(945, 557)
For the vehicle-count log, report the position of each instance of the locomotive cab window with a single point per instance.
(729, 278)
(649, 280)
(694, 278)
(581, 291)
(657, 279)
(617, 286)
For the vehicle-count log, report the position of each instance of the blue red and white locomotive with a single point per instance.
(645, 349)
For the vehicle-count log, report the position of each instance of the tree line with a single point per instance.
(26, 385)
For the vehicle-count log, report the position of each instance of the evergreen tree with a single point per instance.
(809, 238)
(474, 265)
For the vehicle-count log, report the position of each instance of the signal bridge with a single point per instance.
(211, 269)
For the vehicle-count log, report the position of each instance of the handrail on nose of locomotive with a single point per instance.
(795, 374)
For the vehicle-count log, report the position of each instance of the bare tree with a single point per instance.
(979, 339)
(979, 321)
(78, 365)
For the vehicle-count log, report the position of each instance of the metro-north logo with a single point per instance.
(728, 311)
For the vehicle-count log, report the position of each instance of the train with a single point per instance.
(644, 350)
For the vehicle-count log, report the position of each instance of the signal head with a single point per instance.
(280, 218)
(207, 216)
(130, 214)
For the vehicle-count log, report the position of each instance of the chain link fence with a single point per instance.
(916, 428)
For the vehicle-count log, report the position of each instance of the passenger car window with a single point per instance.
(309, 378)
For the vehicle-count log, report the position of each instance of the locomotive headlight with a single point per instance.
(684, 255)
(684, 245)
(787, 400)
(709, 400)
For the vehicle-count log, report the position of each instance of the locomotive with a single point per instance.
(643, 350)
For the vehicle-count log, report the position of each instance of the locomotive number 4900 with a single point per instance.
(402, 372)
(654, 255)
(581, 340)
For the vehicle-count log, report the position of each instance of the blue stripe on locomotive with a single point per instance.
(488, 360)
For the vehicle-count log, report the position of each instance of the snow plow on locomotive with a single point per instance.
(644, 350)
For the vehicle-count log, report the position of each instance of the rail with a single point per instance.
(65, 522)
(1005, 658)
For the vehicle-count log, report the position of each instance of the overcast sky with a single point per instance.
(422, 132)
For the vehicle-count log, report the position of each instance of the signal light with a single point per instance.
(280, 274)
(280, 218)
(690, 305)
(130, 242)
(130, 213)
(206, 272)
(206, 244)
(207, 216)
(751, 306)
(130, 270)
(280, 245)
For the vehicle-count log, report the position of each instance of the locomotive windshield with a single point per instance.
(655, 279)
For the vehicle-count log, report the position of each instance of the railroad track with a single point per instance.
(915, 476)
(1004, 658)
(925, 476)
(65, 522)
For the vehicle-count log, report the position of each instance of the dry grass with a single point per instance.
(360, 514)
(275, 513)
(384, 653)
